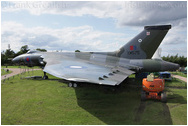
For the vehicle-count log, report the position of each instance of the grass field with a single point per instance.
(176, 83)
(4, 72)
(27, 101)
(35, 67)
(179, 73)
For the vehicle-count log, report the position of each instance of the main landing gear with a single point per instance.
(73, 84)
(45, 76)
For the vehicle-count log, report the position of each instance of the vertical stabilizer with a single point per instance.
(144, 45)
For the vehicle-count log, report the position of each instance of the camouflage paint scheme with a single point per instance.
(108, 68)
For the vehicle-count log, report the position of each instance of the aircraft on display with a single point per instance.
(107, 68)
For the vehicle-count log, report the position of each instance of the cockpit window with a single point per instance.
(32, 51)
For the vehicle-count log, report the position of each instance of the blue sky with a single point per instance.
(90, 26)
(59, 21)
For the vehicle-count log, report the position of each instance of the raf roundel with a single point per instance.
(27, 59)
(139, 40)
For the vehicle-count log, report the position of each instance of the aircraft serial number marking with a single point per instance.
(133, 52)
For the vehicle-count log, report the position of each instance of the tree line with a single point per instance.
(9, 54)
(181, 60)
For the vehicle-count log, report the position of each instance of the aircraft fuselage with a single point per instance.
(100, 58)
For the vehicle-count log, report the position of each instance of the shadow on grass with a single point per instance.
(176, 98)
(120, 105)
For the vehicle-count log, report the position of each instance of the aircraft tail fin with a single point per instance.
(144, 45)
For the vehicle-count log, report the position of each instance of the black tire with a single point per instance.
(45, 77)
(75, 85)
(163, 97)
(143, 96)
(70, 84)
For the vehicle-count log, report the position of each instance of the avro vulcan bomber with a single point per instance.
(107, 68)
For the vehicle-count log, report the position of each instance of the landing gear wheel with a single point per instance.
(143, 96)
(163, 97)
(75, 85)
(70, 84)
(45, 77)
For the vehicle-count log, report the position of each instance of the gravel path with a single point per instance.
(15, 71)
(180, 77)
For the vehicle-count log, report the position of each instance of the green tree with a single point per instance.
(77, 50)
(23, 49)
(4, 59)
(42, 50)
(9, 53)
(7, 56)
(181, 60)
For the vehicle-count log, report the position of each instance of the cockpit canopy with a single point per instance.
(32, 51)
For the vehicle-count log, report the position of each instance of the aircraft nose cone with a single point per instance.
(15, 60)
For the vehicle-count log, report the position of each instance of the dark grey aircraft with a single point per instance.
(107, 68)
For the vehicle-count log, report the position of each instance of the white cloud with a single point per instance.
(177, 34)
(129, 14)
(154, 12)
(125, 13)
(71, 38)
(83, 38)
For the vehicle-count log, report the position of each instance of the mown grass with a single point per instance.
(177, 103)
(175, 83)
(35, 67)
(4, 72)
(179, 73)
(42, 102)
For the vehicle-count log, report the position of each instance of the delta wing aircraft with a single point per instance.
(107, 68)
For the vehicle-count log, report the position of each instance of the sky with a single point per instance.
(90, 25)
